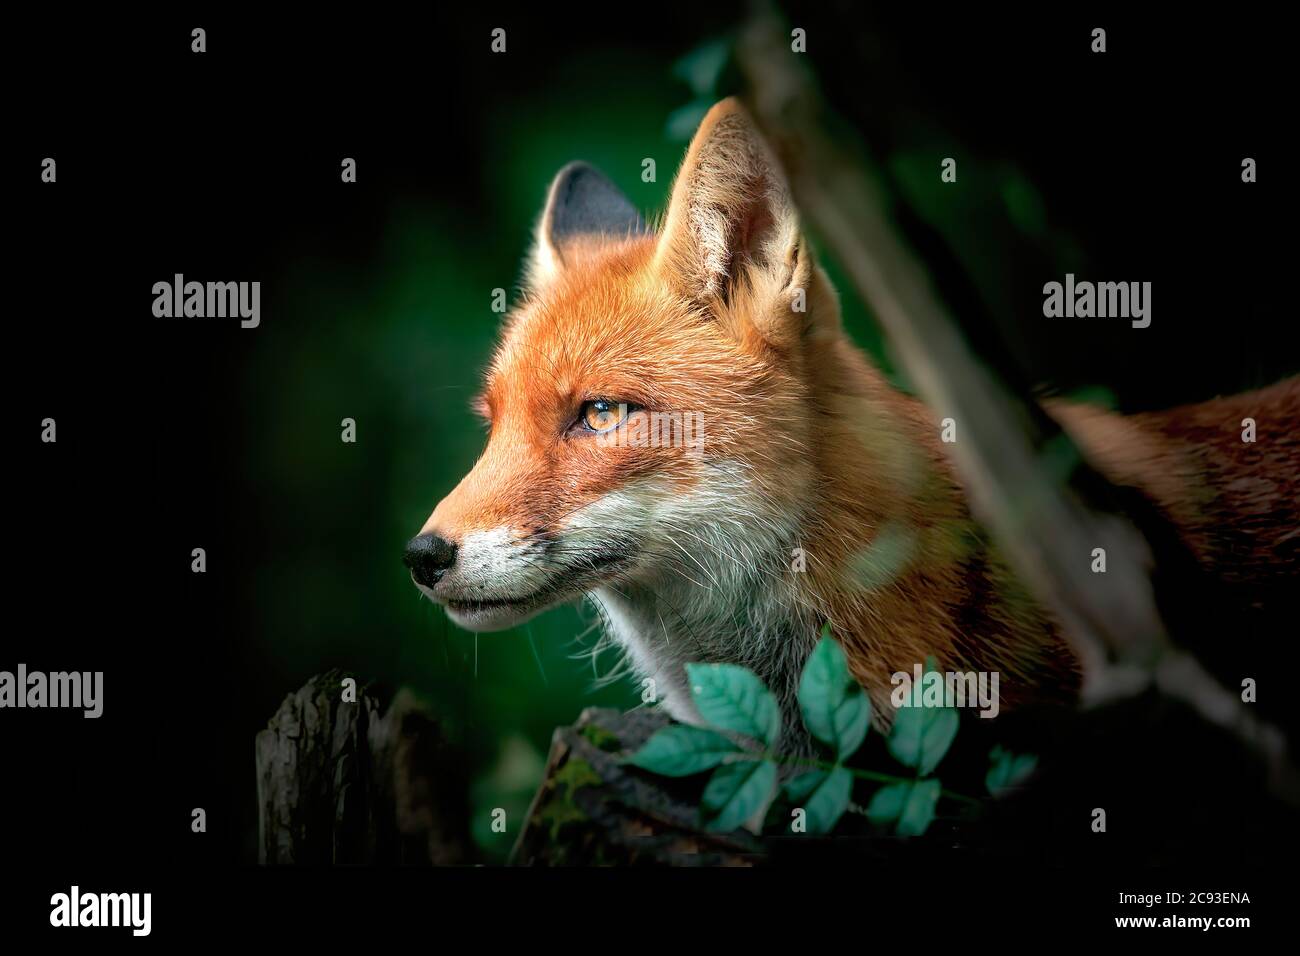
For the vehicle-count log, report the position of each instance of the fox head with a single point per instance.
(650, 402)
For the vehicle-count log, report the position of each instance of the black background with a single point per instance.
(213, 165)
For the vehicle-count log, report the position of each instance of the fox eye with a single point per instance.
(602, 415)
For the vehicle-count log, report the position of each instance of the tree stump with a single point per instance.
(336, 783)
(593, 810)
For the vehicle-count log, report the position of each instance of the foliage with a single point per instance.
(741, 747)
(1008, 770)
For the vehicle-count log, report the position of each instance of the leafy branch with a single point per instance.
(744, 728)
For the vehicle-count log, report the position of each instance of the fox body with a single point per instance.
(812, 492)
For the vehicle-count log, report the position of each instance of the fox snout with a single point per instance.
(485, 581)
(429, 556)
(493, 579)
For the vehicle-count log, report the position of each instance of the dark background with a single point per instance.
(175, 434)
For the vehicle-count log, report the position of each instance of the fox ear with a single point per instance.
(731, 227)
(582, 204)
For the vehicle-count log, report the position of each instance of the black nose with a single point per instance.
(429, 556)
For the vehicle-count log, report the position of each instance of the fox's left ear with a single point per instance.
(582, 205)
(732, 229)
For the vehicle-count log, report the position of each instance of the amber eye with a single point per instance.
(602, 415)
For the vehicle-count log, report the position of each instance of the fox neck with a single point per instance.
(725, 590)
(712, 610)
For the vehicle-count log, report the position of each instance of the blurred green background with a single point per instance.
(397, 339)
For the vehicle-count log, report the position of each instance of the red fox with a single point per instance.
(806, 490)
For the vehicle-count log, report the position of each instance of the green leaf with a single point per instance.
(736, 792)
(702, 67)
(922, 735)
(1008, 770)
(729, 697)
(887, 803)
(919, 810)
(908, 805)
(680, 750)
(798, 788)
(835, 708)
(825, 800)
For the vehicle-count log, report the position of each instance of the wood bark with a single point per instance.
(338, 783)
(592, 809)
